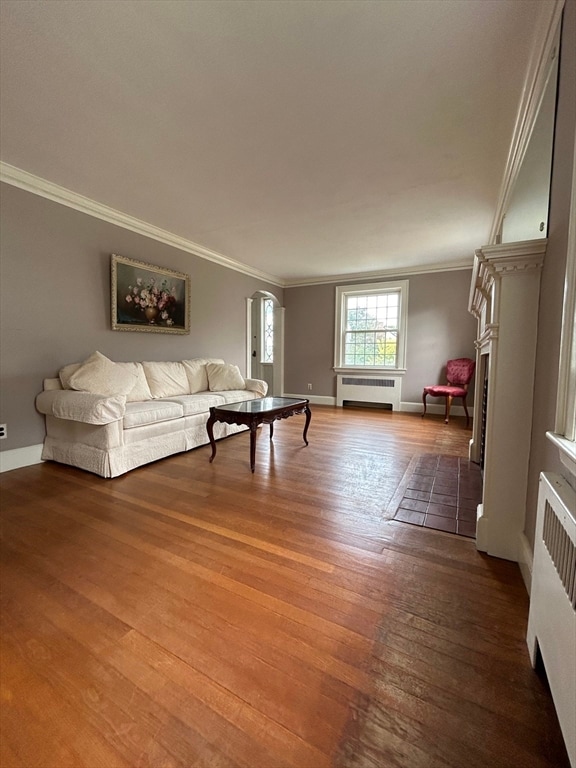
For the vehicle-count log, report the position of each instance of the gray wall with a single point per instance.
(55, 303)
(439, 328)
(543, 455)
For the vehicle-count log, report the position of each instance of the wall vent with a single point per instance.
(354, 382)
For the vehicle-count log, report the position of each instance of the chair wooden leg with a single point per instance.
(466, 411)
(424, 401)
(448, 404)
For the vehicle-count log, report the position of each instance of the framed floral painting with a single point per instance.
(149, 298)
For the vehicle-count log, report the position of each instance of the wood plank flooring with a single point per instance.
(198, 615)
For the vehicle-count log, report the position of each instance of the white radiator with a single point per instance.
(552, 618)
(384, 389)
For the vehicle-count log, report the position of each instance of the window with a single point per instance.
(371, 326)
(267, 331)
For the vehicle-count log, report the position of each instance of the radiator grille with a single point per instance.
(356, 382)
(562, 552)
(552, 617)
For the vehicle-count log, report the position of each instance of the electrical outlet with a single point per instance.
(309, 387)
(3, 431)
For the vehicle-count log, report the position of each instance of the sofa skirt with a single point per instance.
(120, 459)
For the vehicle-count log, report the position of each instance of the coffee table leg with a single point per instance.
(209, 429)
(253, 433)
(271, 429)
(308, 413)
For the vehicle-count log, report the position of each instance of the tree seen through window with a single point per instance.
(371, 331)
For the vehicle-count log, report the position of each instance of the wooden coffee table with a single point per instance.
(252, 413)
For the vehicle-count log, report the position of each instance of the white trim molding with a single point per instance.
(384, 274)
(566, 450)
(544, 54)
(31, 183)
(17, 177)
(313, 399)
(401, 287)
(16, 458)
(504, 297)
(435, 408)
(525, 560)
(564, 435)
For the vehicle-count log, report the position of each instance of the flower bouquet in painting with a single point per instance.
(156, 303)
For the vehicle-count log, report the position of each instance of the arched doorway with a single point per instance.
(265, 349)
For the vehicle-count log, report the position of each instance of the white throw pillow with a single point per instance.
(66, 372)
(196, 372)
(222, 377)
(101, 376)
(166, 379)
(140, 391)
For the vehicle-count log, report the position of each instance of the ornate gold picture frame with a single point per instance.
(148, 298)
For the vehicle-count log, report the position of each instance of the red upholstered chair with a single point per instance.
(458, 375)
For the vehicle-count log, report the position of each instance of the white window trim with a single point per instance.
(342, 292)
(564, 435)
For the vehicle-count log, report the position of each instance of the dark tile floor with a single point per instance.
(441, 492)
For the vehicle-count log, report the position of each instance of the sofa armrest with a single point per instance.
(81, 406)
(257, 385)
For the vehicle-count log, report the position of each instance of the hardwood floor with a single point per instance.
(198, 615)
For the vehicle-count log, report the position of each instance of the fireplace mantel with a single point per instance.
(504, 297)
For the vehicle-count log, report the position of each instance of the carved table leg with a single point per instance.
(210, 430)
(271, 430)
(308, 413)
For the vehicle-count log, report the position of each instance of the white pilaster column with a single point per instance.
(504, 298)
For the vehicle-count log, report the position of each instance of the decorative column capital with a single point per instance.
(493, 262)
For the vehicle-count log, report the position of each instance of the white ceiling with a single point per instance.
(304, 139)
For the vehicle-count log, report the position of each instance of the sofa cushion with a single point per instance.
(165, 379)
(222, 377)
(200, 402)
(151, 412)
(140, 390)
(196, 373)
(101, 376)
(85, 407)
(238, 395)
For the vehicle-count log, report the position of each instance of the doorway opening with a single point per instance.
(265, 340)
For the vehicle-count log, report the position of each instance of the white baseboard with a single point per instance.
(436, 409)
(482, 533)
(525, 560)
(314, 399)
(20, 457)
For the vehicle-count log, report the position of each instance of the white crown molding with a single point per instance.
(44, 188)
(38, 186)
(544, 52)
(384, 274)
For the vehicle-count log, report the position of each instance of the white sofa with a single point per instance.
(109, 418)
